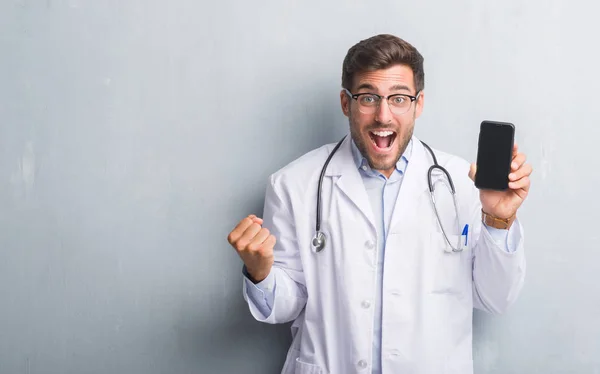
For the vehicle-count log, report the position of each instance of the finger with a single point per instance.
(524, 171)
(256, 219)
(521, 184)
(268, 244)
(517, 161)
(247, 237)
(473, 171)
(515, 150)
(239, 230)
(258, 240)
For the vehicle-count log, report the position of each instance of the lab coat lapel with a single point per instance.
(349, 181)
(414, 185)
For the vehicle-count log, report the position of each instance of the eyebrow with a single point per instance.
(397, 87)
(400, 87)
(365, 86)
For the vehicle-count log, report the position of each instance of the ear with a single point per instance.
(345, 102)
(420, 103)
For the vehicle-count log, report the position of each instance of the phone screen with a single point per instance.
(494, 155)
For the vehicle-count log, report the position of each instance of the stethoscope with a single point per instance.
(319, 239)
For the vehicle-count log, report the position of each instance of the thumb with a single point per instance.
(473, 171)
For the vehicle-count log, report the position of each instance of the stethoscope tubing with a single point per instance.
(319, 240)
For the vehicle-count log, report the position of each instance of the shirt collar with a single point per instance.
(362, 163)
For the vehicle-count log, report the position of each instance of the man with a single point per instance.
(384, 295)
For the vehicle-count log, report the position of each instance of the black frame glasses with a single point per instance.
(393, 108)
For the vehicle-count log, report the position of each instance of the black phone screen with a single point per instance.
(494, 155)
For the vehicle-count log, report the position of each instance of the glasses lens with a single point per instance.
(368, 103)
(399, 104)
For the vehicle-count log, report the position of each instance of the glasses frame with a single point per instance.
(387, 98)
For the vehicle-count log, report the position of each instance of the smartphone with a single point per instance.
(494, 155)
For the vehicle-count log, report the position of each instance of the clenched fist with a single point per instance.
(254, 244)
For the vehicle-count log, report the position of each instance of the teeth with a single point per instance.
(382, 133)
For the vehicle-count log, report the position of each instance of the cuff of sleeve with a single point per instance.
(260, 295)
(506, 239)
(266, 285)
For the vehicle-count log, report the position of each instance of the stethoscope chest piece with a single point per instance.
(318, 241)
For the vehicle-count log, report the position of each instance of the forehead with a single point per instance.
(384, 80)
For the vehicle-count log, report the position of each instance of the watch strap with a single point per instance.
(496, 222)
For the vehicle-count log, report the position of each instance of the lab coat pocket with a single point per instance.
(450, 269)
(306, 368)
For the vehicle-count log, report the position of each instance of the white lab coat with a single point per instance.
(428, 294)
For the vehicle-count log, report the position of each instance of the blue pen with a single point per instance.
(465, 233)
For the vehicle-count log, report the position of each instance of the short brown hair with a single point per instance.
(381, 52)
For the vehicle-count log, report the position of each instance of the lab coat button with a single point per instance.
(370, 244)
(365, 304)
(362, 364)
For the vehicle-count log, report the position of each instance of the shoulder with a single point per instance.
(303, 169)
(458, 168)
(451, 161)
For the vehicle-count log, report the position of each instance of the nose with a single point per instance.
(383, 114)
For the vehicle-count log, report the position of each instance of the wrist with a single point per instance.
(497, 222)
(257, 276)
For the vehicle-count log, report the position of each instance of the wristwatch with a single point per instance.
(498, 223)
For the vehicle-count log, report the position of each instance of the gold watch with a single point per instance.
(499, 223)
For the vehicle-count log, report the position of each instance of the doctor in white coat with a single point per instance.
(385, 295)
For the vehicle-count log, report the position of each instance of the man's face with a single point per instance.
(382, 136)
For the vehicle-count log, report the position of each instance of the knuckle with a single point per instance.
(241, 245)
(262, 249)
(232, 237)
(265, 246)
(265, 250)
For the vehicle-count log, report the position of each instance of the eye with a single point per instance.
(368, 99)
(399, 100)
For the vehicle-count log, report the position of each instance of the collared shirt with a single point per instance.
(383, 193)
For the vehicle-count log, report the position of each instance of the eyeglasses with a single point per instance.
(369, 102)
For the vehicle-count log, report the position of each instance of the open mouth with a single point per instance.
(382, 140)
